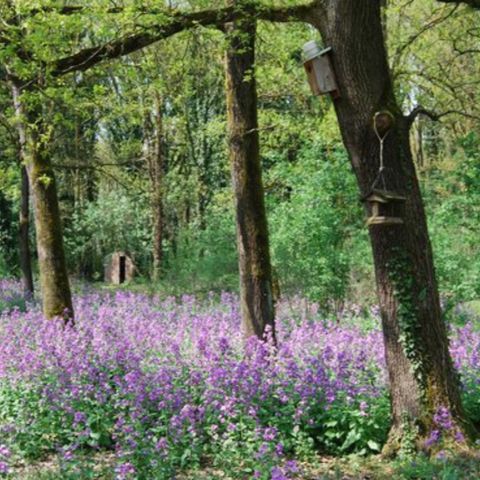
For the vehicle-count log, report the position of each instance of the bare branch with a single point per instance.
(419, 110)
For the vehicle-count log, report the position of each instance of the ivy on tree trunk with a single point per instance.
(421, 373)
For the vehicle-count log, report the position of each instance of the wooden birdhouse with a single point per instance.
(384, 207)
(318, 65)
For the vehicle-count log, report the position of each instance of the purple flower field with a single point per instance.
(166, 384)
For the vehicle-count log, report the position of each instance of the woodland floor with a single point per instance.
(99, 467)
(114, 318)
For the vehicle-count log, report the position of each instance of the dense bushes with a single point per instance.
(453, 197)
(315, 215)
(8, 236)
(319, 242)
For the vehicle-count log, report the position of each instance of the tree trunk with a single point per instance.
(252, 232)
(24, 219)
(422, 377)
(24, 240)
(56, 296)
(157, 190)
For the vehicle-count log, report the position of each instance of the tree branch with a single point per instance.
(419, 110)
(176, 23)
(429, 26)
(471, 3)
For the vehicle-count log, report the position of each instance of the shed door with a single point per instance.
(123, 268)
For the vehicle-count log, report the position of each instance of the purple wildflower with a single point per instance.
(3, 468)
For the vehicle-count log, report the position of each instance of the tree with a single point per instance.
(156, 169)
(252, 230)
(56, 295)
(16, 138)
(24, 239)
(422, 377)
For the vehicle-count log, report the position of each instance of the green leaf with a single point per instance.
(374, 446)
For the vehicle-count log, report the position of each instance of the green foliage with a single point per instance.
(8, 237)
(204, 259)
(360, 427)
(114, 221)
(5, 269)
(423, 468)
(454, 218)
(315, 213)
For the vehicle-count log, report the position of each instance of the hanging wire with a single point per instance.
(381, 140)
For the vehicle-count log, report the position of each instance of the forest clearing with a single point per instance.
(239, 239)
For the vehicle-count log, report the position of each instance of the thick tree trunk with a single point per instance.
(252, 231)
(157, 190)
(23, 236)
(56, 296)
(422, 377)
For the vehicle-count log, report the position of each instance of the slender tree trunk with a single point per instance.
(422, 377)
(24, 219)
(252, 231)
(157, 190)
(24, 240)
(417, 139)
(56, 296)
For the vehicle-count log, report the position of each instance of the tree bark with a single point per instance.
(24, 239)
(421, 373)
(157, 190)
(24, 218)
(56, 296)
(252, 231)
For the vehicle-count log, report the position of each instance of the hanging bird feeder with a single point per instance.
(318, 65)
(385, 207)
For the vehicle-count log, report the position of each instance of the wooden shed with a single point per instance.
(119, 268)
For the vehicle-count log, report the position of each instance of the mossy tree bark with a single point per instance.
(24, 217)
(56, 295)
(24, 238)
(251, 220)
(421, 373)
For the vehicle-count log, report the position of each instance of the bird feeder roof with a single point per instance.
(313, 50)
(383, 196)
